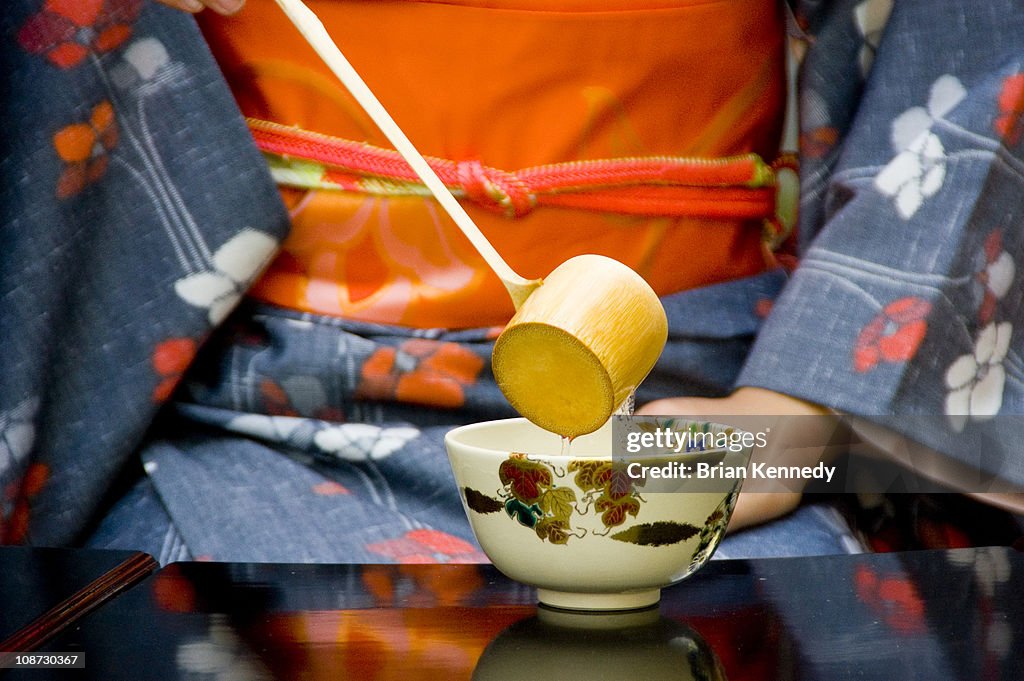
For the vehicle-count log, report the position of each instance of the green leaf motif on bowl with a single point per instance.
(558, 503)
(524, 515)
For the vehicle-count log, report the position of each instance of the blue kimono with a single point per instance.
(144, 403)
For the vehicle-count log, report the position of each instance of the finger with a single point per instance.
(225, 7)
(192, 6)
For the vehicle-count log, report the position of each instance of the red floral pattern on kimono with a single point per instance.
(67, 31)
(14, 514)
(427, 546)
(170, 359)
(894, 335)
(1009, 122)
(420, 371)
(84, 148)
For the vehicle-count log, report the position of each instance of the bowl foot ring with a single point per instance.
(631, 600)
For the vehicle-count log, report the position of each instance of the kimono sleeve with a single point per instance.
(907, 304)
(134, 212)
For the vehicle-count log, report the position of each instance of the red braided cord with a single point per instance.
(738, 187)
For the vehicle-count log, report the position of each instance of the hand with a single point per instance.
(793, 442)
(225, 7)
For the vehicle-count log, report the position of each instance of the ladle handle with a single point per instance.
(312, 29)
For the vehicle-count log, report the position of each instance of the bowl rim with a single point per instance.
(452, 434)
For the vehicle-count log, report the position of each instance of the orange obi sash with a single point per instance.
(633, 129)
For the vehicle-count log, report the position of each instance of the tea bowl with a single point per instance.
(581, 526)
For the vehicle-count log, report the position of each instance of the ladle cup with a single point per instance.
(578, 345)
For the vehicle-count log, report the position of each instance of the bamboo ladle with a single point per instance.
(579, 344)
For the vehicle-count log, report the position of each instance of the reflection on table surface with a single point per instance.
(924, 615)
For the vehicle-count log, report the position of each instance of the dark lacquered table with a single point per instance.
(935, 615)
(42, 591)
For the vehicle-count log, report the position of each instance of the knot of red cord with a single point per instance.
(495, 189)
